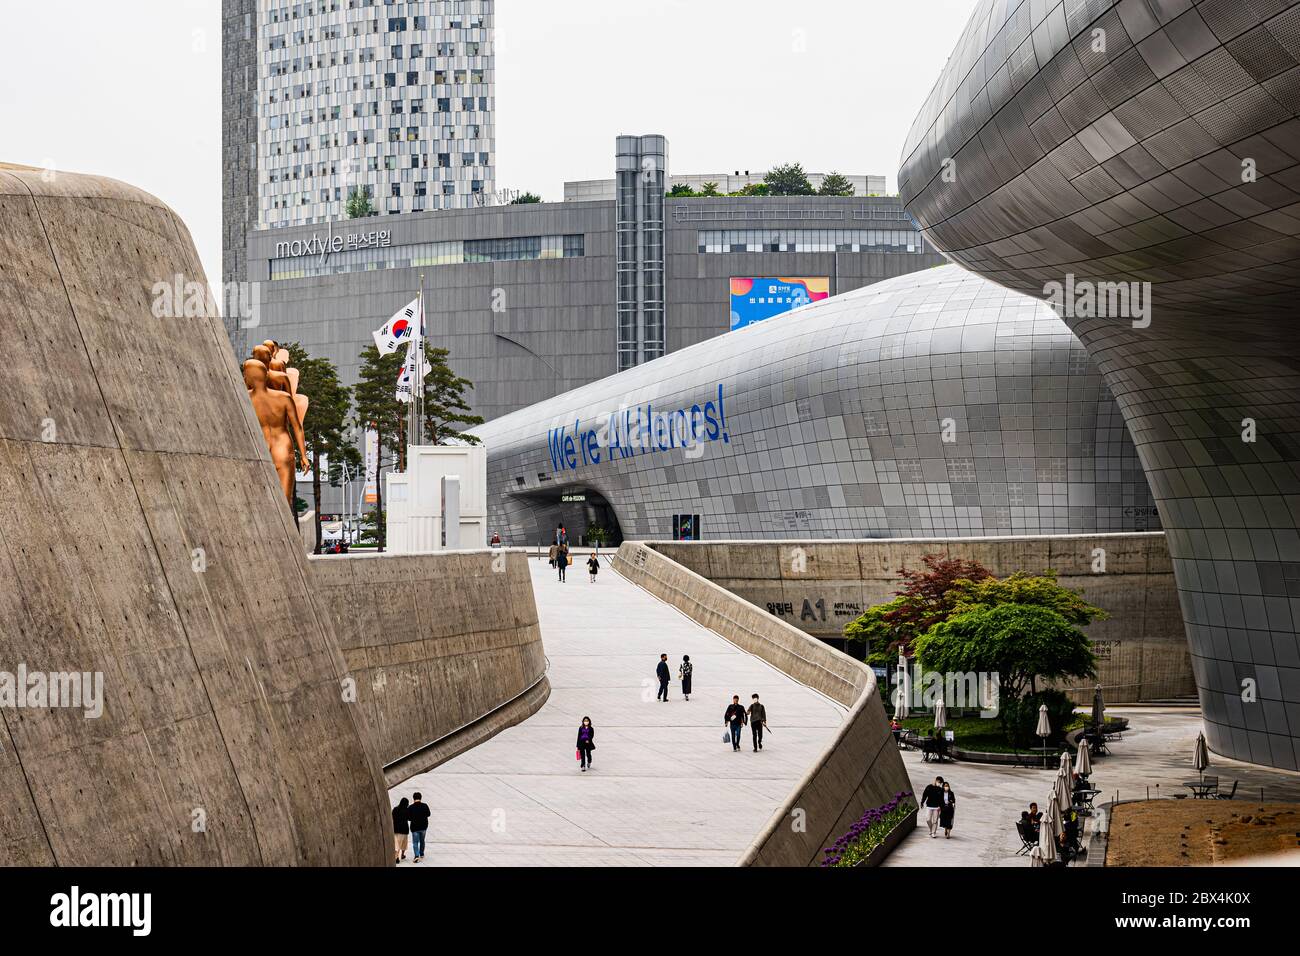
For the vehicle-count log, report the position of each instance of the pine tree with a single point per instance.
(445, 408)
(325, 428)
(377, 407)
(788, 179)
(833, 184)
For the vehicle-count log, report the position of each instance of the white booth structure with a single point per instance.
(440, 502)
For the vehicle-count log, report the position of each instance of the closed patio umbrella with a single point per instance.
(1047, 835)
(1098, 710)
(1201, 758)
(1035, 857)
(940, 714)
(1082, 762)
(1044, 729)
(1061, 794)
(1052, 819)
(900, 704)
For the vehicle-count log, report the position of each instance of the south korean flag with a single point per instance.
(397, 330)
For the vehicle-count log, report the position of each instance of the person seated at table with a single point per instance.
(894, 725)
(1035, 818)
(1078, 782)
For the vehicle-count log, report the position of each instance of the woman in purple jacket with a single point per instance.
(586, 742)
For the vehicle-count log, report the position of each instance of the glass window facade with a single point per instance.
(810, 240)
(452, 252)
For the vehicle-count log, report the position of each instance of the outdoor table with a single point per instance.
(1200, 789)
(1084, 798)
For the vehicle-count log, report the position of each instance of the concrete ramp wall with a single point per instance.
(819, 586)
(860, 769)
(445, 648)
(143, 537)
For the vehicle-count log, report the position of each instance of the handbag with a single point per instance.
(577, 755)
(570, 560)
(726, 736)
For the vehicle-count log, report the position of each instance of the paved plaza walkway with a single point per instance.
(1156, 752)
(665, 789)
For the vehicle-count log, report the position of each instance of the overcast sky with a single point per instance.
(132, 89)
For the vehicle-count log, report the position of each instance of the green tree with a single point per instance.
(524, 199)
(1039, 590)
(788, 179)
(927, 596)
(324, 429)
(445, 408)
(359, 203)
(833, 184)
(1019, 642)
(377, 407)
(680, 191)
(753, 189)
(709, 189)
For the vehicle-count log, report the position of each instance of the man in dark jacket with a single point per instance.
(735, 719)
(757, 721)
(932, 802)
(418, 815)
(664, 676)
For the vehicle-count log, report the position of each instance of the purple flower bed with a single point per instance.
(869, 831)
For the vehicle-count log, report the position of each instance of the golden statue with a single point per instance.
(273, 389)
(278, 416)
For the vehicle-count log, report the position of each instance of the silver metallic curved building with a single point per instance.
(932, 404)
(1145, 151)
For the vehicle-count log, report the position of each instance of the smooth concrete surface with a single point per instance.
(444, 647)
(820, 586)
(1156, 753)
(858, 770)
(665, 789)
(145, 538)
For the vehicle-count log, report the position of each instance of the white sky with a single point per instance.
(132, 89)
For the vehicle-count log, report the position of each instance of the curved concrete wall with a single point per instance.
(859, 769)
(143, 536)
(445, 648)
(1141, 648)
(1168, 154)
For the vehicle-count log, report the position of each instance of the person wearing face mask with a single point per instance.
(586, 742)
(947, 809)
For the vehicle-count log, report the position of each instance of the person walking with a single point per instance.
(757, 721)
(684, 675)
(593, 565)
(555, 549)
(401, 829)
(418, 816)
(586, 742)
(947, 809)
(562, 559)
(932, 801)
(561, 536)
(734, 718)
(664, 676)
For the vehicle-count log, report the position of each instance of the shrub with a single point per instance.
(1020, 716)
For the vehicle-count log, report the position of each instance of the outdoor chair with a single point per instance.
(1230, 794)
(1028, 839)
